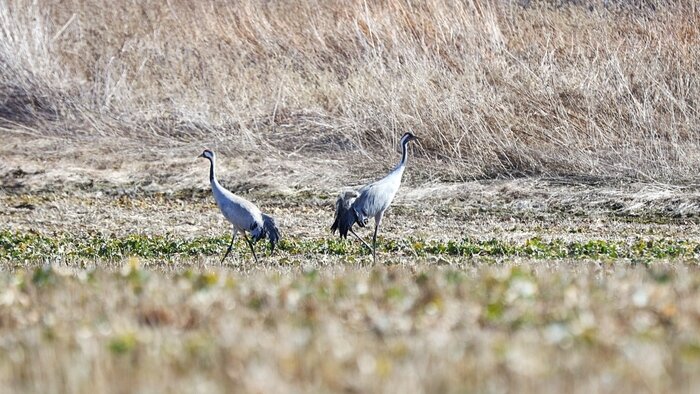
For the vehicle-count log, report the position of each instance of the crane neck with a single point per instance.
(212, 175)
(404, 154)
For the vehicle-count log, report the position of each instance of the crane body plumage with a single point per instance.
(243, 215)
(376, 197)
(371, 201)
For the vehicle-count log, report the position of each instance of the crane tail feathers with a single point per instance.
(271, 231)
(345, 222)
(339, 212)
(342, 207)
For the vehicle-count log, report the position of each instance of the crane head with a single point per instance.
(207, 154)
(408, 136)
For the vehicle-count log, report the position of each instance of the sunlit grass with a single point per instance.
(492, 87)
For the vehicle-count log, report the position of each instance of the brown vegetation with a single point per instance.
(492, 87)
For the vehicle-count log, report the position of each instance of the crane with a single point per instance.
(241, 213)
(370, 201)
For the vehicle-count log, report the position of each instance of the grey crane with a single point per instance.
(370, 201)
(241, 213)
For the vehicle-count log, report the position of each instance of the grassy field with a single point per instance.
(545, 238)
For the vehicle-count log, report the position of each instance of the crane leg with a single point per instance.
(361, 240)
(251, 247)
(377, 222)
(233, 238)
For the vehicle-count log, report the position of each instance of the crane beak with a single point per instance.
(201, 155)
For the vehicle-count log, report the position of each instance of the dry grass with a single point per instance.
(492, 87)
(513, 211)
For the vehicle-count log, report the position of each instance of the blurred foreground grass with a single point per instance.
(566, 326)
